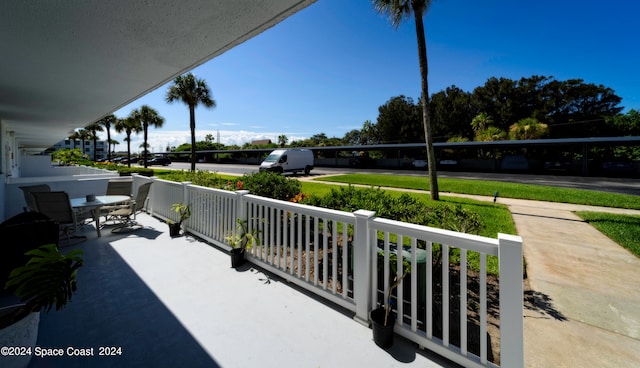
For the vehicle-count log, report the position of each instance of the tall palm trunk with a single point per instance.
(192, 125)
(128, 150)
(108, 127)
(144, 148)
(95, 146)
(424, 72)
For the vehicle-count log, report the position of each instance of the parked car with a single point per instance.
(160, 161)
(420, 164)
(514, 163)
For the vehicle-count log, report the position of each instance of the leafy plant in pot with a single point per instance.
(383, 318)
(241, 241)
(47, 280)
(184, 212)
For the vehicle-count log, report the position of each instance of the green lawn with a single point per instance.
(623, 229)
(488, 188)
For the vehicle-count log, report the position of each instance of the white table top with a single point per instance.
(99, 202)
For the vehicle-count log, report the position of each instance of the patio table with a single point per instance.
(94, 206)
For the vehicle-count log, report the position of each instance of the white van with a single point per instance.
(288, 160)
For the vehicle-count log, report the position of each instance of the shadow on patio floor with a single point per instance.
(114, 308)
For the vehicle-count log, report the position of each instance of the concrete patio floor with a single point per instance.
(176, 302)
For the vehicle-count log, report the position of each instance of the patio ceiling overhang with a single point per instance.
(67, 64)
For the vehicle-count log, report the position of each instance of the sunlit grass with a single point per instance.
(488, 188)
(623, 229)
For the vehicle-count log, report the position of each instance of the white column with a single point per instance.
(362, 266)
(511, 301)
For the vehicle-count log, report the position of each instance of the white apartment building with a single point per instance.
(88, 148)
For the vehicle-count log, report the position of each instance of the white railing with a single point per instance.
(343, 257)
(307, 245)
(435, 311)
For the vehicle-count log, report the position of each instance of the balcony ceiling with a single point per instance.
(67, 64)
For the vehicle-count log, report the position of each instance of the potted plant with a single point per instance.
(47, 280)
(383, 318)
(242, 240)
(184, 212)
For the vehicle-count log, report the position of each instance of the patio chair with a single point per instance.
(119, 187)
(28, 198)
(115, 187)
(125, 215)
(57, 206)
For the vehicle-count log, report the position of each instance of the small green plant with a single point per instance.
(243, 238)
(183, 211)
(394, 280)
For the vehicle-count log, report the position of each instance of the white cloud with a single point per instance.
(159, 140)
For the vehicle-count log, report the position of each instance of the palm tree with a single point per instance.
(147, 116)
(397, 11)
(75, 136)
(92, 130)
(83, 135)
(481, 122)
(112, 142)
(128, 125)
(282, 140)
(191, 91)
(107, 122)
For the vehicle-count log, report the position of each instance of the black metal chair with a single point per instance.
(28, 198)
(57, 206)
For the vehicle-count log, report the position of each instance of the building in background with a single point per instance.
(88, 148)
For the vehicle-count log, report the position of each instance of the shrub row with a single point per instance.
(403, 208)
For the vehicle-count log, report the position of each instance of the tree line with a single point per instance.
(529, 108)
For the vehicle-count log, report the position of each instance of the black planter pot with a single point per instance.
(382, 335)
(174, 229)
(237, 257)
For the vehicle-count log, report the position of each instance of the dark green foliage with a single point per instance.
(271, 185)
(71, 157)
(127, 171)
(48, 279)
(265, 184)
(350, 199)
(404, 208)
(201, 178)
(454, 218)
(400, 121)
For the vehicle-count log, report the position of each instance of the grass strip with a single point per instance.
(488, 188)
(623, 229)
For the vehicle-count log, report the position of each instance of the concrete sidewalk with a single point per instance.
(584, 302)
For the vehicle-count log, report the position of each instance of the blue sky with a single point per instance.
(328, 68)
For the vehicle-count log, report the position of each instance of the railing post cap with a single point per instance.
(365, 213)
(242, 192)
(509, 238)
